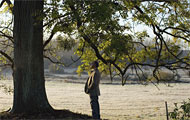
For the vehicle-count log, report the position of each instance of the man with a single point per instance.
(92, 88)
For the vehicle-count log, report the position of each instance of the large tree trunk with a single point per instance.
(29, 83)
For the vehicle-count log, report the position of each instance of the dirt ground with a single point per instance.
(129, 102)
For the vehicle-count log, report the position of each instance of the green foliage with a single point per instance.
(87, 58)
(66, 43)
(102, 25)
(181, 112)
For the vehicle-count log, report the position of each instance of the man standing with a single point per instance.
(92, 88)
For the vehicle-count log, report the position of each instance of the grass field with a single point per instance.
(129, 102)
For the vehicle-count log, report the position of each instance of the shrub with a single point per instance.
(182, 112)
(164, 76)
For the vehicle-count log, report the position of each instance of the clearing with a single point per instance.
(129, 102)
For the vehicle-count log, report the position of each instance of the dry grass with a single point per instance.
(130, 102)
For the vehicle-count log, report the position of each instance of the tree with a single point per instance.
(123, 51)
(29, 83)
(118, 47)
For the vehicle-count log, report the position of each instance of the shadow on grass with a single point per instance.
(57, 114)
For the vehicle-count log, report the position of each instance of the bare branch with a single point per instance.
(55, 62)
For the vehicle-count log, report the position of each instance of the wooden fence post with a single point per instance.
(167, 116)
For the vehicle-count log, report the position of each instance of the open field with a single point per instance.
(130, 102)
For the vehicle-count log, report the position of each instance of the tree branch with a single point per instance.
(7, 56)
(55, 62)
(2, 3)
(176, 28)
(4, 65)
(177, 36)
(49, 39)
(53, 32)
(7, 36)
(52, 20)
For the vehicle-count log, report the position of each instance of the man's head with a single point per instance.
(94, 64)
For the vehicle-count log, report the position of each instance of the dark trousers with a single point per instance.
(95, 107)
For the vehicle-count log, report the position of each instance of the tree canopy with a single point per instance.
(121, 34)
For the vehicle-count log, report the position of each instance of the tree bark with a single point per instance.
(29, 83)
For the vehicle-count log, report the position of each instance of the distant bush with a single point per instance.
(56, 69)
(182, 112)
(164, 76)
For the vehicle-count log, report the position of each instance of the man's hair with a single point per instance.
(96, 63)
